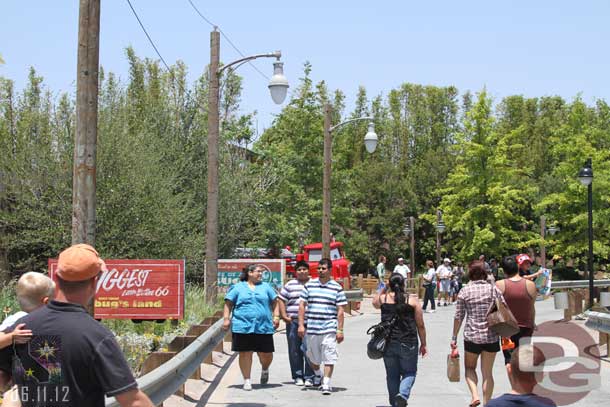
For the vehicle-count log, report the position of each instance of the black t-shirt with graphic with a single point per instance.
(72, 360)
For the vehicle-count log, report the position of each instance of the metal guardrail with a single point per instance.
(599, 321)
(557, 285)
(167, 378)
(354, 295)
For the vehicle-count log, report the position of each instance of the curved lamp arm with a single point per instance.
(368, 118)
(276, 54)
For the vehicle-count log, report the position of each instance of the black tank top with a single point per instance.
(405, 329)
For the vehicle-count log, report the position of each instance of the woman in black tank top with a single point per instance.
(400, 357)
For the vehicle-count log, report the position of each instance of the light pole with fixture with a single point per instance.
(278, 86)
(585, 175)
(551, 230)
(370, 142)
(409, 231)
(440, 228)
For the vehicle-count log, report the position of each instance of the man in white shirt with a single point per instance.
(444, 275)
(402, 269)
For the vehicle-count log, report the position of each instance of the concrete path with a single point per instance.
(359, 381)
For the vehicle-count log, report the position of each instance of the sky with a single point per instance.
(532, 48)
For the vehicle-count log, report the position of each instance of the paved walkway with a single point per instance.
(359, 381)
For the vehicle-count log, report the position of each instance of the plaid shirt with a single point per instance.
(473, 303)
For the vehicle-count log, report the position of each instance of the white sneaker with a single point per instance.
(326, 389)
(432, 311)
(264, 376)
(308, 383)
(299, 382)
(247, 386)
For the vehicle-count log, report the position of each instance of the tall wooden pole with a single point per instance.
(211, 237)
(412, 225)
(326, 183)
(438, 239)
(85, 143)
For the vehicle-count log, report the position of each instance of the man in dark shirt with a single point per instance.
(72, 360)
(524, 362)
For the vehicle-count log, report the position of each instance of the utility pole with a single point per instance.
(85, 143)
(211, 232)
(328, 145)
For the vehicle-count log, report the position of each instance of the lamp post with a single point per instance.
(585, 176)
(551, 230)
(409, 231)
(440, 228)
(370, 142)
(278, 87)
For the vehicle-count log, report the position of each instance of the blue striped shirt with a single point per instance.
(322, 302)
(291, 295)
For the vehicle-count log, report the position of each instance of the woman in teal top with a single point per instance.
(255, 318)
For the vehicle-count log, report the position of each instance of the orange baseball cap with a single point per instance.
(79, 262)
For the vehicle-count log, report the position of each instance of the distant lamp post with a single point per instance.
(551, 230)
(370, 142)
(409, 231)
(440, 228)
(585, 176)
(278, 86)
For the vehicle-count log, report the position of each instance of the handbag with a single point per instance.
(453, 366)
(380, 335)
(500, 319)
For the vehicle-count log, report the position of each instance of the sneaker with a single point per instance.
(299, 382)
(445, 304)
(247, 386)
(308, 383)
(432, 311)
(317, 381)
(326, 389)
(264, 376)
(400, 400)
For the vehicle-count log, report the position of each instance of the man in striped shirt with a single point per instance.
(324, 299)
(290, 297)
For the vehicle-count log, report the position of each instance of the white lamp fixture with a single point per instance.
(553, 229)
(370, 140)
(407, 230)
(278, 86)
(440, 226)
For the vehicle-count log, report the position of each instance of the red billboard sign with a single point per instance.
(138, 289)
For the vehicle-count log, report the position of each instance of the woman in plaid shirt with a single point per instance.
(474, 300)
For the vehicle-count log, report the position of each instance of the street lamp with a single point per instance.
(370, 142)
(278, 86)
(585, 176)
(409, 230)
(440, 228)
(543, 231)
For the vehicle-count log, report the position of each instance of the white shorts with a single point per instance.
(445, 285)
(322, 349)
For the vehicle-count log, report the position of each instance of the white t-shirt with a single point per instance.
(443, 271)
(431, 275)
(11, 319)
(402, 270)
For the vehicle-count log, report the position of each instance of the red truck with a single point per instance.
(312, 253)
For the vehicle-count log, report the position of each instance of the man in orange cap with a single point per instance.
(72, 360)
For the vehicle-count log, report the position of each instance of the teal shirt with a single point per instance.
(252, 308)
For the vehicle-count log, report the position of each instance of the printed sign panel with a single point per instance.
(138, 289)
(230, 269)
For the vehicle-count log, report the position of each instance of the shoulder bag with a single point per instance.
(380, 335)
(500, 319)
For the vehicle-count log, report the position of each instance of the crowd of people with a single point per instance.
(312, 309)
(87, 364)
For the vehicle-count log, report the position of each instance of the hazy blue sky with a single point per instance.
(533, 48)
